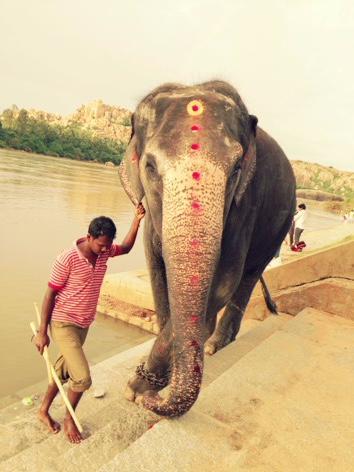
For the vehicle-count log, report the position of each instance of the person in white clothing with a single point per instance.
(299, 222)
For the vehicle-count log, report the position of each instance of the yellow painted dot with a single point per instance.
(195, 108)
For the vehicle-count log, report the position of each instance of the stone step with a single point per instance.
(251, 334)
(21, 431)
(285, 405)
(121, 419)
(131, 287)
(112, 429)
(190, 443)
(290, 398)
(27, 435)
(333, 295)
(15, 410)
(23, 427)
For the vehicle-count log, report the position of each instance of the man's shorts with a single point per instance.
(71, 364)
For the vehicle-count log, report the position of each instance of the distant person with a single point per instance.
(69, 308)
(291, 234)
(299, 226)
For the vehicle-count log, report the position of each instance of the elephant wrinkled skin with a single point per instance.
(220, 196)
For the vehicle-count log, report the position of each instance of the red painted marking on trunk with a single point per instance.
(195, 108)
(195, 244)
(195, 146)
(197, 176)
(196, 206)
(196, 128)
(195, 344)
(194, 319)
(195, 279)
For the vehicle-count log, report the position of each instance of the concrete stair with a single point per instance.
(284, 406)
(110, 423)
(251, 334)
(277, 399)
(334, 295)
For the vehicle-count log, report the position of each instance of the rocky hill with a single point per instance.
(100, 119)
(324, 184)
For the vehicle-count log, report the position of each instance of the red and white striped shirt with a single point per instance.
(78, 284)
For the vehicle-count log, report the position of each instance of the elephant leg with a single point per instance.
(152, 376)
(230, 322)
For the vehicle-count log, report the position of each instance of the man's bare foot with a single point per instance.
(52, 425)
(71, 431)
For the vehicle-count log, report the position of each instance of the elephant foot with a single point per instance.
(215, 343)
(144, 382)
(138, 387)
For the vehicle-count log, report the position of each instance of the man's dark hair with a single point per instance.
(302, 206)
(102, 226)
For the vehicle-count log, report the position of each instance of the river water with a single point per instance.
(45, 204)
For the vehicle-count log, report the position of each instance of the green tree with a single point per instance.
(8, 118)
(21, 121)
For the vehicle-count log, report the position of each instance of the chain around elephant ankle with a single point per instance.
(150, 377)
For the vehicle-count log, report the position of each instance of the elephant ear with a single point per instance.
(128, 171)
(247, 166)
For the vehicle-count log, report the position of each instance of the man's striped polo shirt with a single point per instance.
(78, 284)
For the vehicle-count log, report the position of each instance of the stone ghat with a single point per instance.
(277, 399)
(323, 280)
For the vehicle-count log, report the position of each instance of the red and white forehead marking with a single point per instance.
(195, 108)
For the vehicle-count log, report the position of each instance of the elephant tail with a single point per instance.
(271, 305)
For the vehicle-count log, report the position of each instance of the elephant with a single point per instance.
(220, 197)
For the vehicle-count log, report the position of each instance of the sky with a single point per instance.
(291, 61)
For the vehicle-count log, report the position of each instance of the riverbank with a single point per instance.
(6, 152)
(320, 239)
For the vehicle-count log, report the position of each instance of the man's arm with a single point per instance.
(129, 239)
(42, 338)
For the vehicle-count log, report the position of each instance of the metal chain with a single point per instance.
(152, 378)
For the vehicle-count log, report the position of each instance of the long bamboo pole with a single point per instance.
(59, 385)
(47, 360)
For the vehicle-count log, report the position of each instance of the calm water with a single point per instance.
(45, 204)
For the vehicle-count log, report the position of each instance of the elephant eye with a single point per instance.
(236, 170)
(151, 168)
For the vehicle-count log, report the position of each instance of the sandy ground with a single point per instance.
(320, 238)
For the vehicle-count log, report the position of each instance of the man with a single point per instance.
(69, 307)
(299, 226)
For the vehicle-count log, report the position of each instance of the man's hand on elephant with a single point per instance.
(41, 341)
(140, 211)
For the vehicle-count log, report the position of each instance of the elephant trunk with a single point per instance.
(193, 207)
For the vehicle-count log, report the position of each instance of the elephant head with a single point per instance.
(192, 154)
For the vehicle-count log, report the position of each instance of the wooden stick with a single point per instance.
(59, 385)
(47, 360)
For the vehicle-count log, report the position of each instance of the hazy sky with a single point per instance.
(291, 61)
